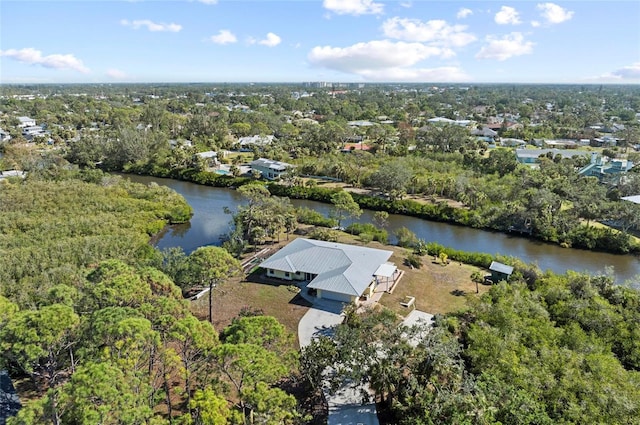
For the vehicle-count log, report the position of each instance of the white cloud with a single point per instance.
(32, 56)
(208, 1)
(116, 74)
(353, 7)
(507, 16)
(406, 4)
(554, 14)
(374, 55)
(223, 37)
(463, 13)
(436, 31)
(628, 72)
(444, 74)
(506, 47)
(535, 24)
(272, 40)
(151, 26)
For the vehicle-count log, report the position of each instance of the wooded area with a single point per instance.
(128, 129)
(93, 319)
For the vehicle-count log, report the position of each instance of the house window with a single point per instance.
(287, 274)
(269, 271)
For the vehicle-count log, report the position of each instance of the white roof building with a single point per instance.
(257, 140)
(26, 122)
(337, 271)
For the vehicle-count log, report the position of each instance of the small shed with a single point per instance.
(500, 271)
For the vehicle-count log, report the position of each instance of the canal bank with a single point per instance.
(210, 222)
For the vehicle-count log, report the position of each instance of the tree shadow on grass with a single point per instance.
(457, 292)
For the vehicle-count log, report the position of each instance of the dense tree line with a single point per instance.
(91, 315)
(563, 349)
(128, 128)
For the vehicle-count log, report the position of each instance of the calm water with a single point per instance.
(209, 222)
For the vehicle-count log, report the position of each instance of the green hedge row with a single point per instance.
(583, 237)
(377, 234)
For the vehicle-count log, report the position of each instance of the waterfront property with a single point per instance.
(26, 122)
(500, 271)
(270, 169)
(601, 167)
(336, 271)
(531, 157)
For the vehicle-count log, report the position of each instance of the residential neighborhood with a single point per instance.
(348, 247)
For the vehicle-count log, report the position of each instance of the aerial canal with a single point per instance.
(210, 222)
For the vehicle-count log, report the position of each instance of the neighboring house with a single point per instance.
(246, 143)
(361, 123)
(560, 144)
(484, 132)
(26, 122)
(499, 271)
(182, 143)
(605, 141)
(32, 131)
(336, 271)
(445, 121)
(4, 136)
(600, 167)
(12, 173)
(530, 156)
(348, 147)
(512, 143)
(210, 157)
(635, 199)
(269, 169)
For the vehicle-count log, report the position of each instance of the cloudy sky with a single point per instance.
(523, 41)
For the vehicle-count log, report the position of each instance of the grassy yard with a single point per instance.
(437, 289)
(234, 296)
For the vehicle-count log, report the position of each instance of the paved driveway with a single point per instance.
(316, 323)
(345, 406)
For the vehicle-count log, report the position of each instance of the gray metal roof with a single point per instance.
(341, 268)
(534, 153)
(500, 268)
(268, 163)
(635, 199)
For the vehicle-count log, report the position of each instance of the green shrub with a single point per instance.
(406, 238)
(377, 234)
(313, 217)
(324, 235)
(413, 260)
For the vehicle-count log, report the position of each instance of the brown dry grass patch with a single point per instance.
(236, 295)
(437, 289)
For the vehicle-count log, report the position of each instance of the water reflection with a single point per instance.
(210, 222)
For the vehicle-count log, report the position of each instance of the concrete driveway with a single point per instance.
(315, 323)
(345, 406)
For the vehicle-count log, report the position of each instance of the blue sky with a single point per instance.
(78, 41)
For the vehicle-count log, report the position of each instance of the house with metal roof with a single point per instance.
(635, 199)
(270, 169)
(531, 157)
(338, 272)
(26, 122)
(245, 144)
(500, 271)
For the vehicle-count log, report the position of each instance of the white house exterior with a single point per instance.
(246, 143)
(26, 122)
(530, 156)
(336, 271)
(270, 169)
(4, 136)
